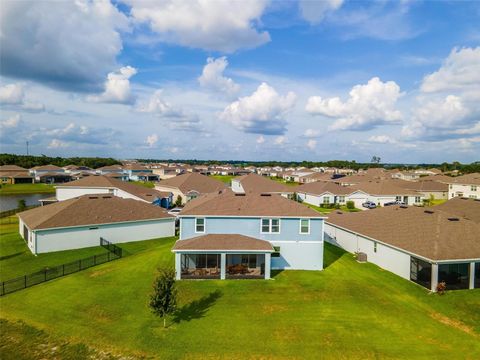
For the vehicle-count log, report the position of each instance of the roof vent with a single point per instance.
(453, 219)
(93, 197)
(107, 197)
(240, 194)
(403, 206)
(265, 194)
(429, 212)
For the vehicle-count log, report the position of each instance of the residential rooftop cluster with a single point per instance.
(266, 219)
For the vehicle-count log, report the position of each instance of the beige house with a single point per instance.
(465, 186)
(189, 186)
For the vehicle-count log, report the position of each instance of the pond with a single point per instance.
(9, 202)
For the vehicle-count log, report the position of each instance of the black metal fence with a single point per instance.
(23, 282)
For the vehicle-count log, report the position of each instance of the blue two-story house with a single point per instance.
(230, 235)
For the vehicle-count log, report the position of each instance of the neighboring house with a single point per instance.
(259, 184)
(424, 245)
(189, 186)
(80, 222)
(137, 172)
(381, 192)
(323, 193)
(465, 186)
(235, 235)
(431, 171)
(406, 175)
(13, 174)
(104, 170)
(97, 184)
(50, 174)
(316, 176)
(427, 188)
(165, 172)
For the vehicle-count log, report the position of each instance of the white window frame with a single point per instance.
(270, 226)
(341, 199)
(204, 225)
(418, 199)
(300, 227)
(473, 188)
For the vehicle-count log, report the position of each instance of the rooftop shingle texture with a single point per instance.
(47, 168)
(462, 207)
(469, 179)
(97, 181)
(13, 168)
(226, 242)
(320, 187)
(193, 181)
(90, 210)
(260, 184)
(228, 203)
(427, 232)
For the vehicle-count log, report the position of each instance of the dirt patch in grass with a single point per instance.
(100, 272)
(453, 323)
(273, 308)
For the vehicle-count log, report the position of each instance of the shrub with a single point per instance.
(350, 205)
(337, 206)
(179, 200)
(21, 205)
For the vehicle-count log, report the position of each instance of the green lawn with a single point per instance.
(349, 310)
(280, 180)
(329, 210)
(227, 179)
(14, 189)
(147, 184)
(438, 201)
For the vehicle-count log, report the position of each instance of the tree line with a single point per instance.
(29, 161)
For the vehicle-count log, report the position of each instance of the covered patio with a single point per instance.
(222, 256)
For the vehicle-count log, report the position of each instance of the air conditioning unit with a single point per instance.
(361, 257)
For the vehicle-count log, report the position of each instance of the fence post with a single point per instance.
(94, 259)
(108, 256)
(25, 278)
(63, 270)
(45, 274)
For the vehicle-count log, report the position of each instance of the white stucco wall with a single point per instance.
(298, 255)
(73, 192)
(464, 190)
(81, 237)
(388, 258)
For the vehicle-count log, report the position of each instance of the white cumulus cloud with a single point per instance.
(151, 140)
(263, 112)
(382, 139)
(11, 94)
(220, 25)
(368, 106)
(117, 87)
(260, 139)
(56, 144)
(311, 133)
(460, 71)
(315, 11)
(212, 77)
(280, 140)
(311, 144)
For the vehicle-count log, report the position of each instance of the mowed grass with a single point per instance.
(14, 189)
(227, 179)
(349, 310)
(329, 210)
(147, 184)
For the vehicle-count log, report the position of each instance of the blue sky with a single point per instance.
(255, 80)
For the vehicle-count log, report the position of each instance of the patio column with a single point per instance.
(223, 265)
(267, 265)
(178, 266)
(471, 284)
(434, 280)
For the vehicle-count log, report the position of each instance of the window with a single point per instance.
(270, 226)
(398, 198)
(421, 272)
(417, 199)
(304, 226)
(199, 225)
(276, 251)
(451, 186)
(473, 188)
(341, 199)
(456, 276)
(374, 246)
(326, 199)
(477, 276)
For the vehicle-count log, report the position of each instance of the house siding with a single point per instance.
(297, 251)
(82, 237)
